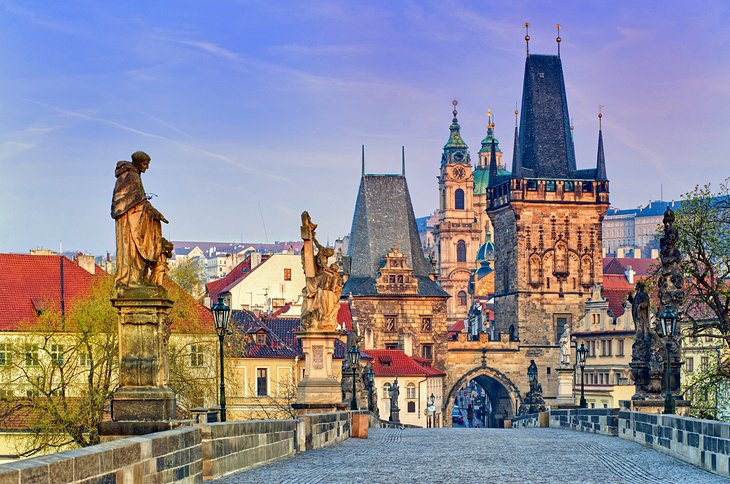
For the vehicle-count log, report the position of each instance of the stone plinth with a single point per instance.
(657, 406)
(318, 390)
(565, 387)
(144, 393)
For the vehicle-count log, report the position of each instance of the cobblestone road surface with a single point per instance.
(479, 455)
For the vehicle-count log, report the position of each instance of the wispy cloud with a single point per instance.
(210, 48)
(319, 49)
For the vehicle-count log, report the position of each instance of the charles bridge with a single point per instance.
(582, 445)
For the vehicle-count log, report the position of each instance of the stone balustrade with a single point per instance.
(187, 454)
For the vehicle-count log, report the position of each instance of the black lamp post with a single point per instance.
(371, 388)
(582, 353)
(221, 314)
(668, 321)
(354, 356)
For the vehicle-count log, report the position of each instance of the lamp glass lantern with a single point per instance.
(668, 321)
(354, 356)
(221, 314)
(432, 399)
(582, 353)
(371, 376)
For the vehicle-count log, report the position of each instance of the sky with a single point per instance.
(253, 111)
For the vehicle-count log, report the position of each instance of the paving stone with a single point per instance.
(478, 455)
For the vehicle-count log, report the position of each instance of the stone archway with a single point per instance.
(503, 394)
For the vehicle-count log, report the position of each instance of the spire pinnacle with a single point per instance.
(490, 122)
(363, 160)
(455, 103)
(493, 165)
(403, 159)
(527, 37)
(516, 163)
(517, 113)
(600, 116)
(601, 158)
(558, 39)
(455, 140)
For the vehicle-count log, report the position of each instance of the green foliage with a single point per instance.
(707, 389)
(189, 275)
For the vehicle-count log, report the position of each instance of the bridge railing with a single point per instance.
(703, 443)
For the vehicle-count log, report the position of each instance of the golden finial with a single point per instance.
(558, 39)
(527, 37)
(490, 123)
(455, 103)
(600, 115)
(516, 114)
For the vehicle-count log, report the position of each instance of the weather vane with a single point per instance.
(527, 37)
(558, 39)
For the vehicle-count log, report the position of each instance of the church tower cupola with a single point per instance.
(455, 150)
(486, 149)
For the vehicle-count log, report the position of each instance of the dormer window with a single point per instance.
(260, 338)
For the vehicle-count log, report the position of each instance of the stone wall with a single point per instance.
(235, 446)
(703, 443)
(171, 456)
(595, 420)
(323, 429)
(529, 421)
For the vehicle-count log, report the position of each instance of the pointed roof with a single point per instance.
(455, 144)
(384, 217)
(601, 162)
(545, 140)
(493, 171)
(516, 162)
(455, 140)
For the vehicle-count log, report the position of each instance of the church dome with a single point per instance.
(485, 252)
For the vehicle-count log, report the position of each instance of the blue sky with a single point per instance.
(253, 111)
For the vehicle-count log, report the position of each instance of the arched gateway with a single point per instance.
(504, 396)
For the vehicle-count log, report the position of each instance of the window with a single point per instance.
(57, 354)
(459, 199)
(704, 362)
(31, 355)
(461, 251)
(390, 323)
(400, 279)
(287, 274)
(606, 349)
(260, 338)
(690, 364)
(85, 359)
(596, 318)
(619, 347)
(411, 407)
(462, 298)
(391, 279)
(391, 346)
(196, 356)
(411, 391)
(4, 354)
(261, 382)
(426, 326)
(386, 391)
(550, 185)
(569, 186)
(427, 351)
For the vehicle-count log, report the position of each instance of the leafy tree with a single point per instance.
(707, 388)
(189, 274)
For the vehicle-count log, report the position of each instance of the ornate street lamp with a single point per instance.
(354, 357)
(668, 321)
(431, 414)
(371, 388)
(582, 353)
(221, 314)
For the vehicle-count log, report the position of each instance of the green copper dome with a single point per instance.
(481, 179)
(487, 142)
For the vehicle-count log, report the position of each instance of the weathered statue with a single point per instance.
(138, 227)
(565, 347)
(323, 282)
(640, 310)
(394, 394)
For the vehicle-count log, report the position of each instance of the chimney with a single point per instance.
(630, 274)
(637, 253)
(620, 252)
(86, 262)
(255, 259)
(654, 253)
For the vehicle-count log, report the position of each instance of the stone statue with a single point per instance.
(323, 283)
(394, 394)
(138, 227)
(640, 310)
(565, 347)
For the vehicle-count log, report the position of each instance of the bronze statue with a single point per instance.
(138, 227)
(323, 283)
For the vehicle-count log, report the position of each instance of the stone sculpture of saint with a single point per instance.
(138, 226)
(565, 347)
(640, 310)
(394, 393)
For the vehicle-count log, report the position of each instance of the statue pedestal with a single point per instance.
(318, 391)
(565, 387)
(394, 416)
(143, 395)
(657, 406)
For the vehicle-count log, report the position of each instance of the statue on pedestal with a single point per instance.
(138, 227)
(565, 348)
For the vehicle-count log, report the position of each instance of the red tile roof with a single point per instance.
(226, 283)
(616, 288)
(344, 316)
(619, 265)
(30, 282)
(397, 363)
(457, 327)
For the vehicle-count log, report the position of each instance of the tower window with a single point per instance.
(461, 251)
(459, 199)
(462, 298)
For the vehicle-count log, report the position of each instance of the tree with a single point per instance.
(277, 403)
(189, 274)
(703, 222)
(707, 389)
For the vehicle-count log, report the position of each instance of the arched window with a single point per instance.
(411, 391)
(462, 298)
(459, 199)
(461, 251)
(386, 391)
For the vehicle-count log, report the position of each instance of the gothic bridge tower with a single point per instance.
(458, 233)
(547, 217)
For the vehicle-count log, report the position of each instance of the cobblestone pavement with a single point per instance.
(478, 455)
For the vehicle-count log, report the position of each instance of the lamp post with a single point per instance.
(668, 321)
(371, 387)
(582, 353)
(431, 423)
(221, 314)
(354, 356)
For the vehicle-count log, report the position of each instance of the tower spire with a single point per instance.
(403, 159)
(493, 165)
(455, 142)
(516, 165)
(527, 37)
(363, 160)
(601, 159)
(558, 39)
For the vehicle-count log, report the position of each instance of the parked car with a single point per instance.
(456, 416)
